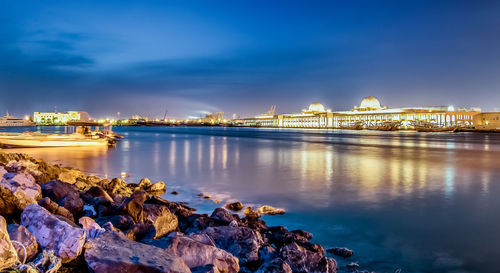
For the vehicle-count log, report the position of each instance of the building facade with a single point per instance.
(369, 115)
(487, 121)
(59, 118)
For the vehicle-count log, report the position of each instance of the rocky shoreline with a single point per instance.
(57, 219)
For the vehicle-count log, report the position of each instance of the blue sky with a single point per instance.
(192, 57)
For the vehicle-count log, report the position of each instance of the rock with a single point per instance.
(56, 189)
(274, 266)
(72, 202)
(332, 265)
(180, 210)
(18, 233)
(209, 268)
(133, 205)
(93, 180)
(161, 217)
(122, 222)
(158, 188)
(49, 172)
(222, 215)
(141, 232)
(54, 208)
(302, 259)
(97, 195)
(17, 191)
(144, 184)
(268, 210)
(341, 251)
(236, 206)
(23, 166)
(92, 229)
(82, 184)
(53, 233)
(8, 254)
(242, 242)
(70, 175)
(196, 223)
(198, 251)
(250, 213)
(115, 186)
(112, 252)
(302, 234)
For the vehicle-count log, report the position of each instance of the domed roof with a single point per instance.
(316, 107)
(370, 102)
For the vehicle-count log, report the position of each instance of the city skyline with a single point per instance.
(143, 58)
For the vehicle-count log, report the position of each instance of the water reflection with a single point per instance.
(406, 196)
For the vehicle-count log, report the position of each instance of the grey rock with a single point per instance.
(198, 251)
(242, 242)
(222, 215)
(17, 190)
(112, 252)
(161, 217)
(53, 233)
(302, 259)
(8, 254)
(341, 251)
(19, 234)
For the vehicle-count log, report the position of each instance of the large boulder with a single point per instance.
(20, 234)
(54, 208)
(70, 175)
(198, 251)
(115, 186)
(222, 215)
(306, 258)
(113, 252)
(144, 184)
(242, 242)
(161, 217)
(133, 205)
(56, 190)
(17, 190)
(8, 254)
(122, 222)
(158, 188)
(72, 202)
(53, 233)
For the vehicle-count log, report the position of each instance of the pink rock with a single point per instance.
(53, 233)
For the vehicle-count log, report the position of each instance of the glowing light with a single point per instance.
(316, 107)
(370, 102)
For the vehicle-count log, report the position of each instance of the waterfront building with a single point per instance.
(59, 118)
(370, 114)
(487, 120)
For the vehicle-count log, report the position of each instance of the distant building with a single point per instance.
(487, 120)
(369, 114)
(59, 118)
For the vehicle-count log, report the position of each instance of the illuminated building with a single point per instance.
(369, 114)
(487, 121)
(59, 118)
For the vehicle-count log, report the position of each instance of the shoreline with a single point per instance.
(105, 212)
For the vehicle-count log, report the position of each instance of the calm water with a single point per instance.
(421, 202)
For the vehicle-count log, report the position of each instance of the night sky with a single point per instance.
(193, 57)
